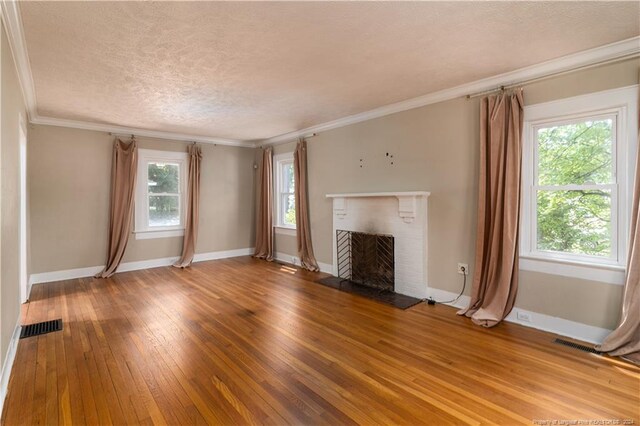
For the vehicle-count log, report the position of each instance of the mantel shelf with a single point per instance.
(406, 202)
(381, 194)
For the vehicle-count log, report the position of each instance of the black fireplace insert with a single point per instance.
(366, 259)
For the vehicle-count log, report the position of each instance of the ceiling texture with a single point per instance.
(255, 70)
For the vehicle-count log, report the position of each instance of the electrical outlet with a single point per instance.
(294, 260)
(524, 316)
(463, 268)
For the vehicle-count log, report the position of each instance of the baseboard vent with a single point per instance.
(577, 346)
(41, 328)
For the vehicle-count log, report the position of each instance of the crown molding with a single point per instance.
(13, 23)
(85, 125)
(10, 14)
(618, 50)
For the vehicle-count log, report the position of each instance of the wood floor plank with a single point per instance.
(243, 341)
(40, 382)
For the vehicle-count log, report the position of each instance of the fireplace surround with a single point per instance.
(401, 214)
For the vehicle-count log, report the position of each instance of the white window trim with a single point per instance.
(141, 229)
(531, 189)
(279, 226)
(289, 231)
(622, 102)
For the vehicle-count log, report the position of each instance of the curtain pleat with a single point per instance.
(624, 341)
(495, 281)
(264, 218)
(192, 213)
(124, 167)
(303, 229)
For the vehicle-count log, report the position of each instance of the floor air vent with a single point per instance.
(577, 346)
(41, 328)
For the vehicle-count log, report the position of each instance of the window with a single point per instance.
(284, 183)
(576, 188)
(160, 194)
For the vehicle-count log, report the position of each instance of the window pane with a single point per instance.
(287, 178)
(575, 221)
(163, 178)
(579, 153)
(164, 210)
(289, 209)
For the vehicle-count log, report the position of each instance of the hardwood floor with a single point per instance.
(241, 341)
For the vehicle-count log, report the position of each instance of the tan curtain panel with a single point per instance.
(264, 218)
(124, 167)
(192, 213)
(624, 341)
(303, 229)
(495, 280)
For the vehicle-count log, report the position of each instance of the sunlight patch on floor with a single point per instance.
(288, 269)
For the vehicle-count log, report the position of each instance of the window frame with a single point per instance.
(614, 258)
(279, 162)
(142, 230)
(621, 104)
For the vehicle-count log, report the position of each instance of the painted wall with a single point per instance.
(436, 148)
(69, 181)
(12, 106)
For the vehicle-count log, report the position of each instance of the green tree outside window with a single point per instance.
(574, 187)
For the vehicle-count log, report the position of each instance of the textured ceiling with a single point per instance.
(247, 70)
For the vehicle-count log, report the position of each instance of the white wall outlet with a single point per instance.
(463, 268)
(524, 316)
(294, 260)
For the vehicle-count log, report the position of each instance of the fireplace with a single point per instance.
(401, 214)
(366, 259)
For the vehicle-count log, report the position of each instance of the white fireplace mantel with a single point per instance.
(406, 202)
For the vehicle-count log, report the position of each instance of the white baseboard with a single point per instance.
(327, 268)
(214, 255)
(561, 326)
(442, 295)
(69, 274)
(146, 264)
(8, 363)
(29, 287)
(295, 260)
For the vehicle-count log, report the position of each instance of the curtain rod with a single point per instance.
(288, 140)
(555, 74)
(122, 134)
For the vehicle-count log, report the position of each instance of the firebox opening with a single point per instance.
(366, 259)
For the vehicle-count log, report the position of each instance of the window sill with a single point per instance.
(165, 233)
(610, 274)
(285, 230)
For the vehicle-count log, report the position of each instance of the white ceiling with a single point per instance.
(245, 70)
